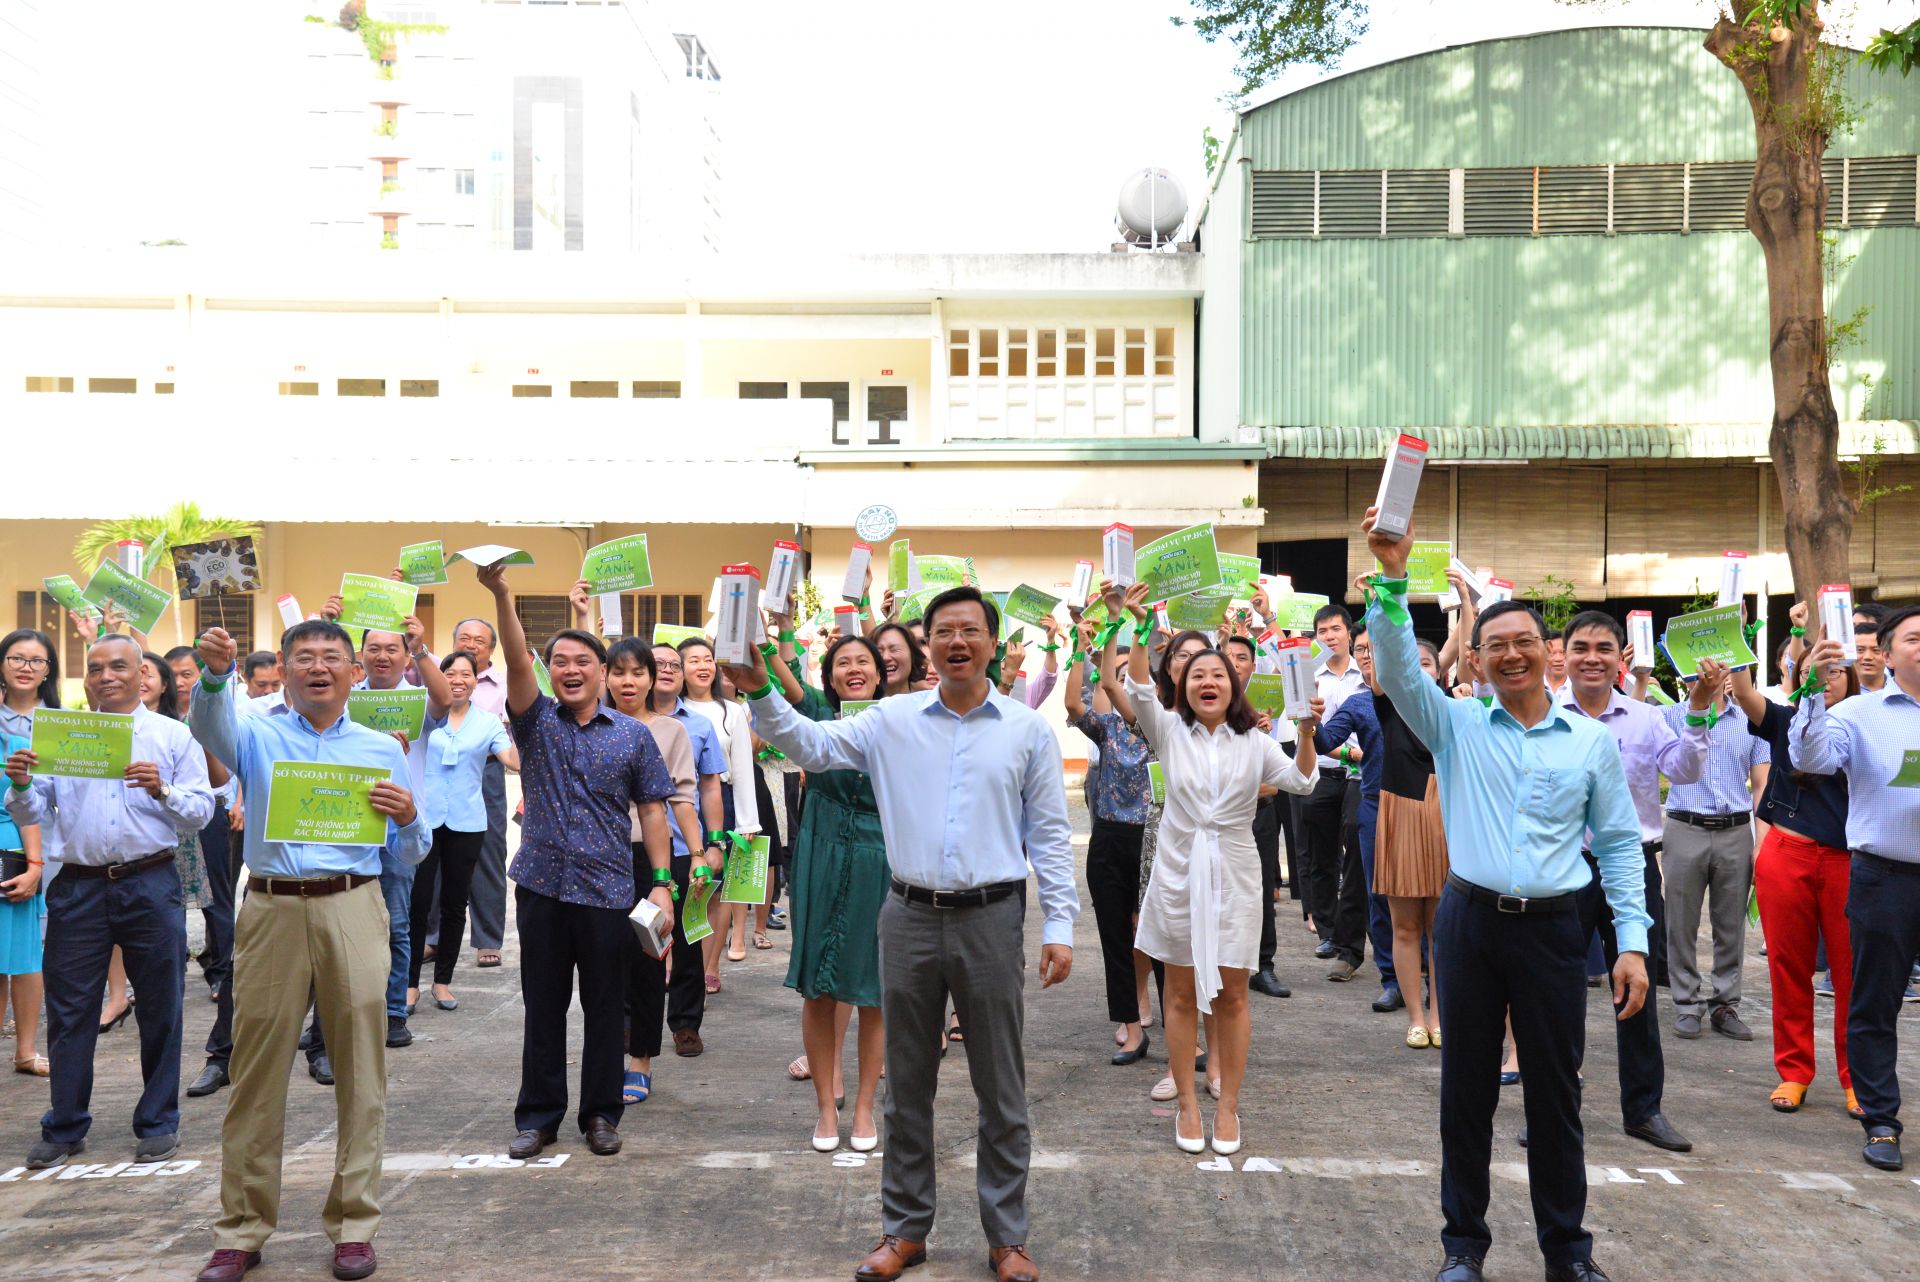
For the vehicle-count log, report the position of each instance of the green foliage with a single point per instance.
(389, 187)
(1553, 597)
(1863, 469)
(387, 128)
(1894, 49)
(389, 241)
(1248, 500)
(1210, 148)
(171, 242)
(1272, 35)
(1852, 331)
(808, 600)
(180, 524)
(314, 17)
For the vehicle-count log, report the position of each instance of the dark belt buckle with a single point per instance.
(1510, 903)
(121, 871)
(950, 900)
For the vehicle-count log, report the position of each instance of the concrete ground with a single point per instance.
(1339, 1178)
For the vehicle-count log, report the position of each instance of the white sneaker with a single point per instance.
(1163, 1090)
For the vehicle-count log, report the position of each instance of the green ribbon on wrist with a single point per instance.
(213, 684)
(1796, 632)
(763, 691)
(1078, 656)
(770, 753)
(1390, 596)
(1753, 629)
(768, 650)
(1105, 636)
(1807, 687)
(1707, 718)
(1049, 648)
(788, 635)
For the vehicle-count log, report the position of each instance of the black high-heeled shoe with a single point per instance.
(1134, 1056)
(117, 1020)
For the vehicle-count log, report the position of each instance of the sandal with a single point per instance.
(760, 942)
(1788, 1096)
(1853, 1105)
(953, 1032)
(638, 1086)
(799, 1071)
(32, 1066)
(488, 959)
(713, 983)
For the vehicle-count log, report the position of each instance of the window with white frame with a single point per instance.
(1049, 380)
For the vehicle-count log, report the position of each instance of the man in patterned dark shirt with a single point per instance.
(581, 767)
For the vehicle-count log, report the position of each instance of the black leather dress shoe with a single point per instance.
(1578, 1271)
(1265, 981)
(1459, 1268)
(1325, 950)
(320, 1068)
(1389, 1000)
(602, 1138)
(1659, 1132)
(1138, 1053)
(528, 1144)
(1523, 1135)
(211, 1079)
(1882, 1148)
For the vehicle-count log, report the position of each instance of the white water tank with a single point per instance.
(1153, 204)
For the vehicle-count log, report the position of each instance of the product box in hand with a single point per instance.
(1836, 619)
(1116, 546)
(847, 619)
(1296, 675)
(858, 560)
(613, 621)
(1733, 578)
(1399, 486)
(650, 927)
(289, 609)
(783, 571)
(739, 609)
(1082, 584)
(1640, 637)
(1497, 590)
(1475, 587)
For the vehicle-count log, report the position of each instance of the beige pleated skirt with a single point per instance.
(1410, 846)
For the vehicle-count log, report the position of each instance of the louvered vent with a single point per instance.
(1350, 202)
(1282, 204)
(1720, 196)
(1573, 201)
(1880, 192)
(1648, 198)
(1417, 202)
(1499, 202)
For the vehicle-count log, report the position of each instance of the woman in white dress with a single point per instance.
(1201, 915)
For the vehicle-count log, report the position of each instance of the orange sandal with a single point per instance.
(1853, 1105)
(1787, 1097)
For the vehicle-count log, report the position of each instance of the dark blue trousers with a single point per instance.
(1883, 918)
(1643, 1068)
(86, 917)
(1379, 918)
(221, 852)
(1533, 964)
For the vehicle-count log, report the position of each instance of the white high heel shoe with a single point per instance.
(1198, 1144)
(1225, 1148)
(864, 1143)
(827, 1143)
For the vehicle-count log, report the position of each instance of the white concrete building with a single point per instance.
(22, 143)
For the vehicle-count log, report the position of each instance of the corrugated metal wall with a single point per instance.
(1518, 331)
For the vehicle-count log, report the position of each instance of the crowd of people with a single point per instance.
(1501, 820)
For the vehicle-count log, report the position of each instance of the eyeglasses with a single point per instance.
(941, 636)
(308, 662)
(667, 667)
(26, 663)
(1519, 645)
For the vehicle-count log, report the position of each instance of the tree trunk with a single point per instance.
(1785, 210)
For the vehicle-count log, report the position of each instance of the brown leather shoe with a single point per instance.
(229, 1266)
(686, 1041)
(1012, 1264)
(528, 1144)
(602, 1138)
(890, 1258)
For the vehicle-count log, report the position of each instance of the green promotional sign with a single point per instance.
(1427, 568)
(82, 745)
(1182, 562)
(899, 568)
(1716, 634)
(63, 589)
(694, 925)
(618, 565)
(541, 677)
(139, 600)
(319, 803)
(1030, 605)
(943, 572)
(914, 604)
(1294, 612)
(424, 564)
(1199, 611)
(401, 711)
(1267, 692)
(1908, 776)
(1096, 611)
(1240, 574)
(1157, 776)
(854, 707)
(1657, 693)
(673, 634)
(747, 874)
(376, 602)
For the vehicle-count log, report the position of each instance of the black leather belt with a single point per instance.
(309, 887)
(1889, 865)
(979, 897)
(119, 871)
(1564, 903)
(1709, 823)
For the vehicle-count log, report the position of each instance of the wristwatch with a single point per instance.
(166, 791)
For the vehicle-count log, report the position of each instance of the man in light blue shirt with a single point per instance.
(313, 920)
(1521, 782)
(1875, 738)
(114, 842)
(969, 787)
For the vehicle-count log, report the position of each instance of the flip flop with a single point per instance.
(484, 964)
(638, 1086)
(761, 942)
(799, 1071)
(713, 983)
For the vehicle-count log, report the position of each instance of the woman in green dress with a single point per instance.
(840, 879)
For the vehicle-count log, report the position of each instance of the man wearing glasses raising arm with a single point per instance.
(1521, 782)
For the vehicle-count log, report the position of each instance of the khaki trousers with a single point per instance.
(334, 946)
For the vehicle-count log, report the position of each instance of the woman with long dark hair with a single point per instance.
(1201, 916)
(30, 672)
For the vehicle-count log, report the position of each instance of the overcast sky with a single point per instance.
(851, 125)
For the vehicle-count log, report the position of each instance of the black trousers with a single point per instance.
(1113, 883)
(1267, 823)
(220, 850)
(1643, 1068)
(1322, 814)
(451, 861)
(646, 999)
(1351, 896)
(1657, 909)
(1883, 921)
(557, 940)
(1533, 964)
